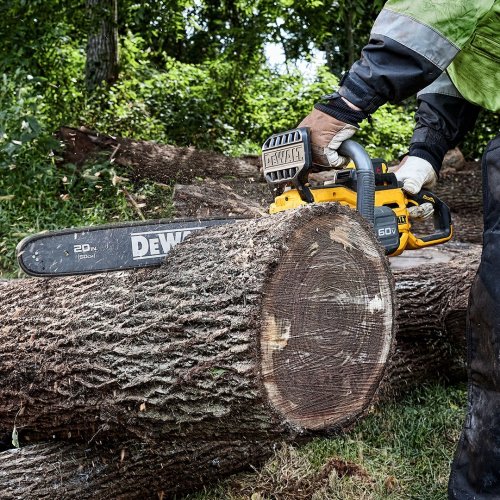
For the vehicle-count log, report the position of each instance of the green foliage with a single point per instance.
(388, 134)
(211, 105)
(37, 195)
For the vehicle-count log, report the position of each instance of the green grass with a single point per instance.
(401, 451)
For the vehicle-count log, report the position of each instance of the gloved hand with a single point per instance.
(415, 173)
(331, 123)
(327, 134)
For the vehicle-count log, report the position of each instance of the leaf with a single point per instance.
(15, 438)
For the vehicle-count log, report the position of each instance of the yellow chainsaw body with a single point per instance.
(393, 198)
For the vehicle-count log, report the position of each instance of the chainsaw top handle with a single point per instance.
(365, 200)
(443, 228)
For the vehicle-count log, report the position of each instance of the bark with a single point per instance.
(212, 344)
(102, 46)
(158, 162)
(122, 470)
(462, 192)
(432, 288)
(224, 199)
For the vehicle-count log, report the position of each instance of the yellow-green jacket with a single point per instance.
(446, 50)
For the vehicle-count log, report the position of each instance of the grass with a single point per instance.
(401, 451)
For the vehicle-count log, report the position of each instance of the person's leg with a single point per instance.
(475, 472)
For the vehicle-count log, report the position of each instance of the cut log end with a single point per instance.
(328, 319)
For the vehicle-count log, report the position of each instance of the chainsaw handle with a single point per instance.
(442, 220)
(365, 201)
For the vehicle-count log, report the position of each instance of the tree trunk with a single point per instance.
(251, 334)
(102, 46)
(462, 192)
(432, 301)
(222, 199)
(122, 470)
(262, 328)
(158, 162)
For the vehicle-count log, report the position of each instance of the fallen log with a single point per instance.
(432, 289)
(179, 367)
(267, 327)
(462, 192)
(432, 286)
(221, 199)
(147, 159)
(122, 470)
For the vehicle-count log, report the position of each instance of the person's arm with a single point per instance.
(443, 119)
(403, 56)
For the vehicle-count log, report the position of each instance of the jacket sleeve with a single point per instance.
(402, 57)
(443, 119)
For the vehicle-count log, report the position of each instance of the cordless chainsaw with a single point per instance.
(287, 163)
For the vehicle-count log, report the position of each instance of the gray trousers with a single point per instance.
(475, 472)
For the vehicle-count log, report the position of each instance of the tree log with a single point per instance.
(221, 199)
(462, 192)
(267, 326)
(432, 287)
(148, 159)
(122, 470)
(206, 362)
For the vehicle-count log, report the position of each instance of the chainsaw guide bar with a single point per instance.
(106, 248)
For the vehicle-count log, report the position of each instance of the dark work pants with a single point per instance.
(475, 472)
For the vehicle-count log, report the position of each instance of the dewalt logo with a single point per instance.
(154, 244)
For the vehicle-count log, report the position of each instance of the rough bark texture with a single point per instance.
(211, 350)
(128, 470)
(462, 192)
(432, 288)
(102, 46)
(158, 162)
(182, 350)
(227, 198)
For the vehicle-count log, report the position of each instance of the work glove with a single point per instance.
(330, 124)
(416, 173)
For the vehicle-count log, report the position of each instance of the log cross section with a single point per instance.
(328, 318)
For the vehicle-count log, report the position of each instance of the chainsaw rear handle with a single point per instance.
(365, 201)
(442, 221)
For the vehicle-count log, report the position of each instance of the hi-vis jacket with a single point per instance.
(447, 50)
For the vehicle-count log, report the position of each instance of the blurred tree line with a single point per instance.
(185, 72)
(144, 68)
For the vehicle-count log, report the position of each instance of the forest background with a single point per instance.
(183, 72)
(193, 72)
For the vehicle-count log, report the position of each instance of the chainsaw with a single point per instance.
(365, 185)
